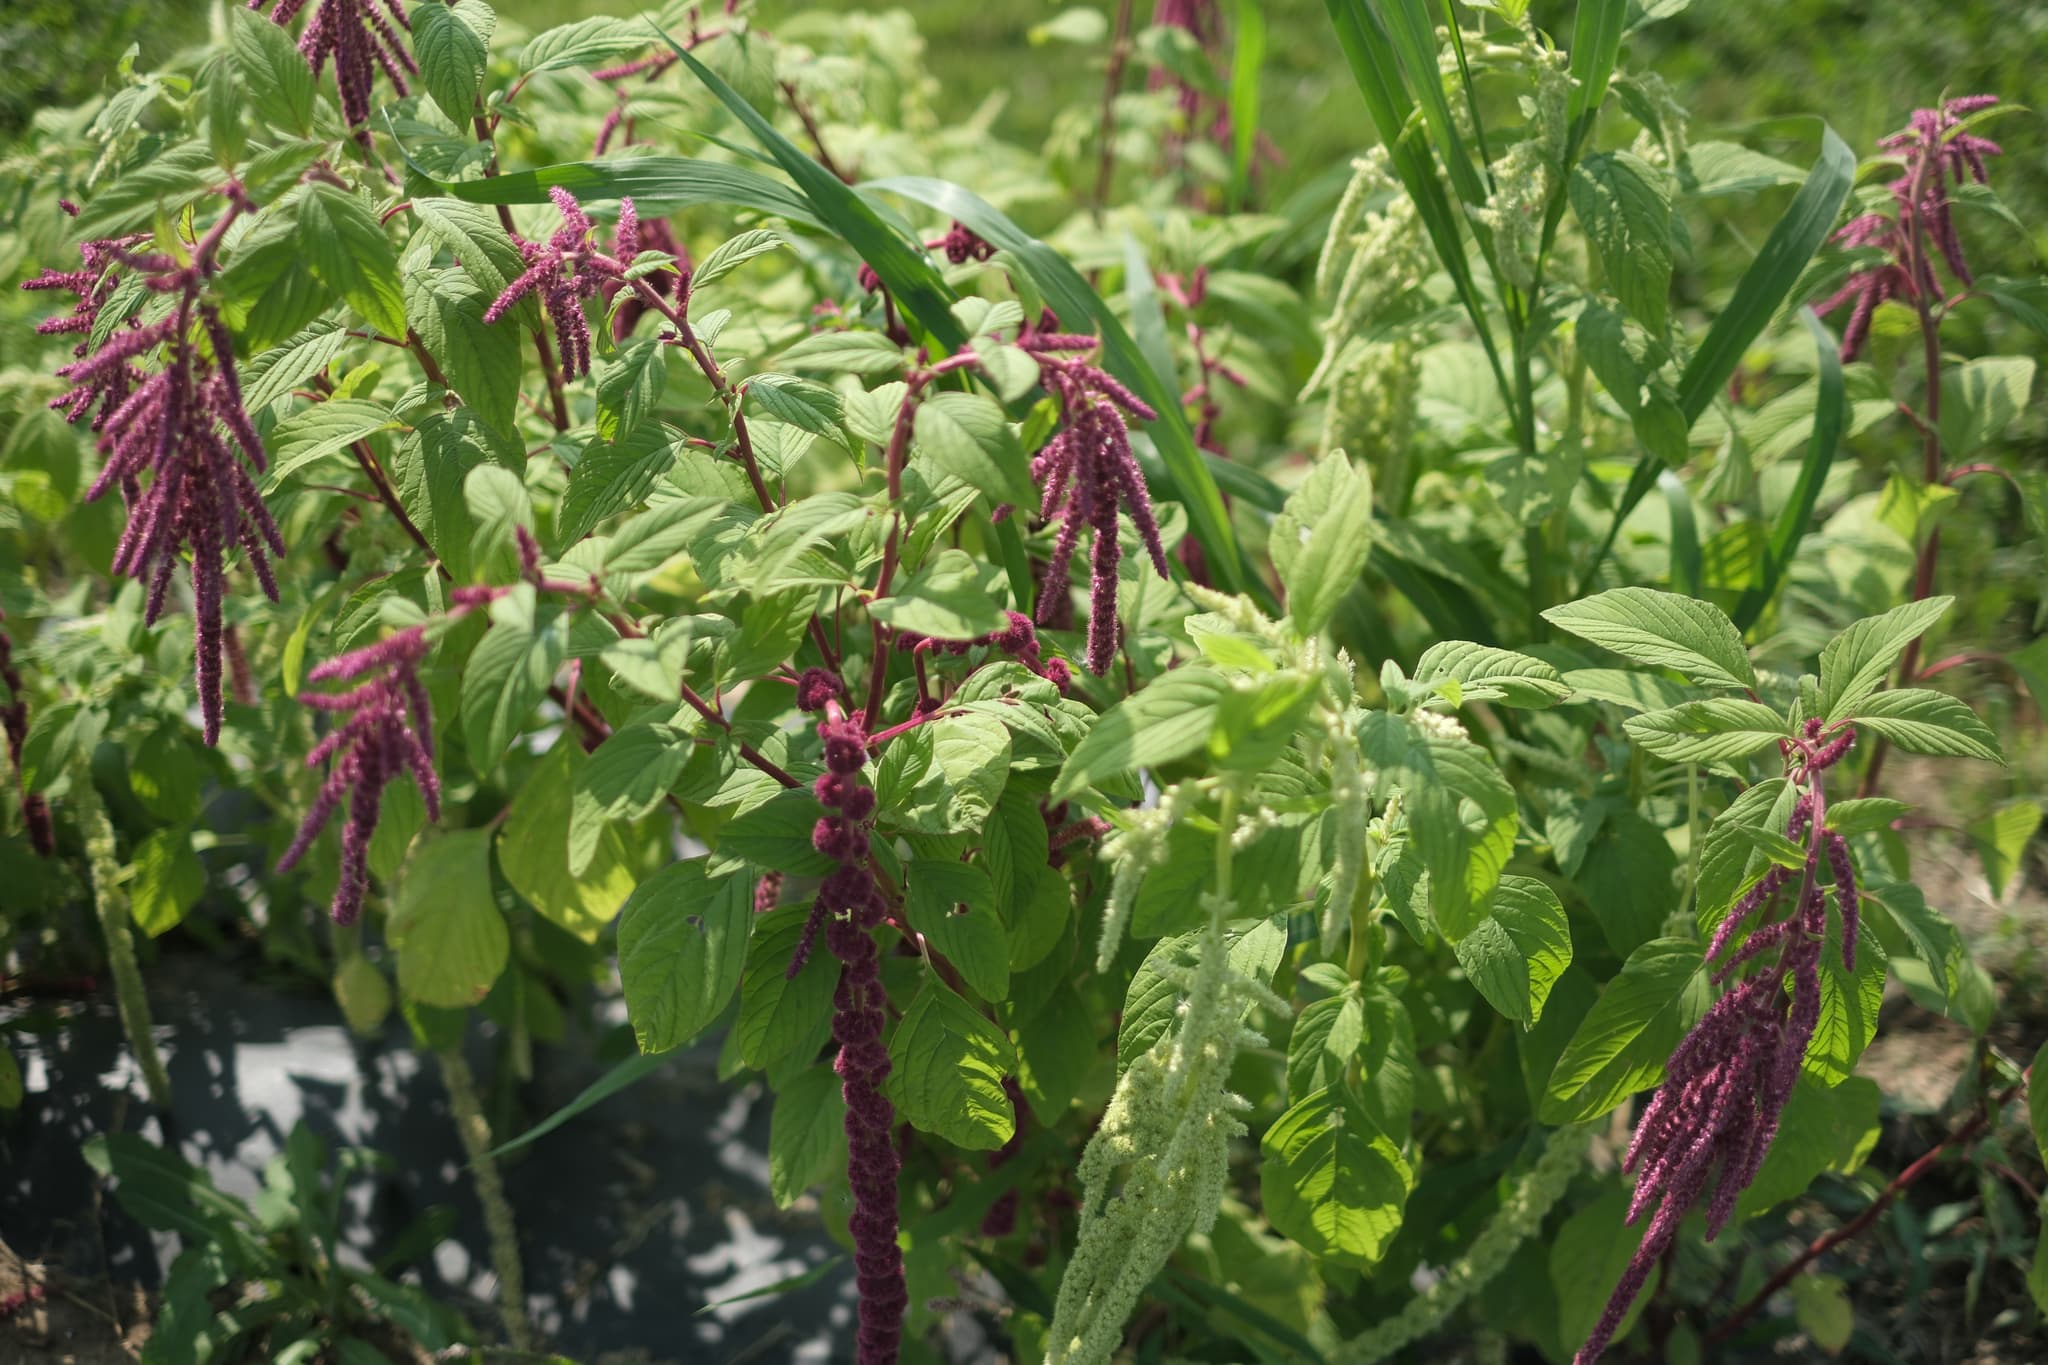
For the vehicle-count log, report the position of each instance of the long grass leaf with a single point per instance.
(1247, 58)
(1762, 288)
(1414, 37)
(1079, 306)
(1829, 412)
(626, 1073)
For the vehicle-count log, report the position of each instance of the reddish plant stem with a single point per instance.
(1918, 269)
(1105, 164)
(1958, 661)
(816, 134)
(746, 750)
(1825, 1243)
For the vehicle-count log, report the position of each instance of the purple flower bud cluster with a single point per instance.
(176, 424)
(768, 893)
(655, 235)
(1086, 469)
(1019, 638)
(959, 244)
(35, 811)
(1936, 151)
(360, 40)
(850, 904)
(389, 731)
(567, 269)
(1714, 1118)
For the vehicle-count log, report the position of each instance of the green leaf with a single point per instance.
(474, 236)
(1822, 1129)
(534, 854)
(1519, 950)
(1326, 1036)
(1853, 665)
(1321, 540)
(1597, 28)
(1849, 1002)
(1169, 719)
(967, 436)
(582, 43)
(1624, 205)
(483, 363)
(611, 476)
(803, 403)
(1662, 630)
(943, 599)
(1332, 1181)
(806, 1136)
(2037, 1100)
(1829, 411)
(1807, 222)
(322, 430)
(953, 904)
(1623, 1042)
(169, 880)
(784, 1018)
(452, 43)
(682, 942)
(729, 256)
(1864, 814)
(1056, 1054)
(947, 1065)
(655, 184)
(1715, 730)
(279, 82)
(1820, 1305)
(498, 506)
(1484, 673)
(429, 471)
(1924, 722)
(865, 353)
(625, 777)
(957, 790)
(620, 1077)
(508, 674)
(445, 926)
(1729, 860)
(349, 253)
(776, 835)
(1979, 400)
(2001, 839)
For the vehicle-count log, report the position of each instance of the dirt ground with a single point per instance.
(55, 1321)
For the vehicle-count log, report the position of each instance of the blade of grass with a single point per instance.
(626, 1073)
(1770, 277)
(1070, 296)
(916, 284)
(657, 183)
(1370, 52)
(1685, 535)
(1596, 46)
(1829, 409)
(1246, 59)
(1415, 47)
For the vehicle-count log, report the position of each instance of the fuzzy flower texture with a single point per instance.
(1086, 470)
(849, 906)
(1714, 1119)
(360, 40)
(389, 732)
(1937, 149)
(182, 425)
(567, 269)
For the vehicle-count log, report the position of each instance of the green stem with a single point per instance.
(475, 1132)
(104, 864)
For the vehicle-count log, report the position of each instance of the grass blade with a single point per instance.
(1685, 535)
(1082, 308)
(657, 184)
(915, 282)
(1829, 410)
(604, 1087)
(1245, 61)
(1770, 277)
(1370, 51)
(1414, 39)
(1596, 46)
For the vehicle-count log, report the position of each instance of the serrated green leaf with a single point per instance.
(947, 1065)
(1853, 665)
(1925, 722)
(483, 363)
(944, 599)
(1714, 730)
(682, 943)
(967, 436)
(349, 252)
(322, 430)
(1332, 1181)
(953, 905)
(534, 854)
(1484, 673)
(1624, 205)
(1623, 1042)
(1662, 630)
(452, 43)
(445, 926)
(730, 255)
(1169, 719)
(806, 1134)
(1517, 953)
(508, 674)
(1322, 538)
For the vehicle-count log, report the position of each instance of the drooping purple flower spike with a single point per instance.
(1086, 470)
(360, 40)
(567, 269)
(1713, 1120)
(1938, 152)
(184, 425)
(849, 906)
(389, 732)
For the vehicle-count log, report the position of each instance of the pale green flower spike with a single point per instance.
(1157, 1168)
(1135, 850)
(1519, 1219)
(1370, 258)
